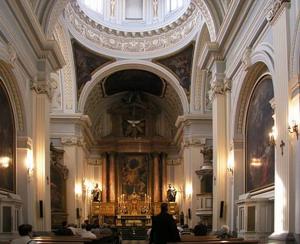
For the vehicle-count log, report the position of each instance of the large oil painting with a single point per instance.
(260, 157)
(133, 173)
(7, 143)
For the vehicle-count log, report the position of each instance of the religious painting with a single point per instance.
(260, 159)
(7, 143)
(133, 173)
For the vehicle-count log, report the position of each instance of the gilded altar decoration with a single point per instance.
(134, 204)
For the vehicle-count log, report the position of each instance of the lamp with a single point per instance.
(293, 128)
(4, 162)
(230, 162)
(29, 163)
(78, 190)
(272, 137)
(189, 190)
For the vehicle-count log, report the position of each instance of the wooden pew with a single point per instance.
(61, 239)
(68, 239)
(213, 239)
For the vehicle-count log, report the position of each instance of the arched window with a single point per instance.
(7, 142)
(259, 152)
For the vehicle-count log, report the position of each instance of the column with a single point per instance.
(156, 188)
(112, 177)
(104, 179)
(41, 93)
(284, 217)
(164, 177)
(219, 145)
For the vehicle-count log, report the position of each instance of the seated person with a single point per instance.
(63, 230)
(86, 233)
(25, 233)
(74, 229)
(186, 230)
(200, 229)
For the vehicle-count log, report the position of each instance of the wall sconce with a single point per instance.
(230, 162)
(29, 164)
(272, 137)
(293, 128)
(78, 190)
(189, 190)
(4, 162)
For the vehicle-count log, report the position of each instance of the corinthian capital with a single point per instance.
(42, 88)
(217, 88)
(274, 9)
(227, 85)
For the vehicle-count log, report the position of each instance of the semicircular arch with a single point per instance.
(134, 64)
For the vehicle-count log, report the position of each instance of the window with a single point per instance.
(172, 5)
(95, 5)
(134, 9)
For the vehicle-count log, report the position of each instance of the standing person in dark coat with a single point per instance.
(164, 228)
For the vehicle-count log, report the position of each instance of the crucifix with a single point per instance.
(282, 144)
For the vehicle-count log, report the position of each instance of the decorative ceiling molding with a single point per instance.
(148, 43)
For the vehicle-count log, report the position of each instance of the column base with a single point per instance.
(284, 236)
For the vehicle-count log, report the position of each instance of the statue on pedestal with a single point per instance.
(96, 192)
(171, 194)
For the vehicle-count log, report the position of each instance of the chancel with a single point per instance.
(112, 109)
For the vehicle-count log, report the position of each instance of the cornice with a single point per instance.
(24, 142)
(78, 119)
(28, 22)
(145, 43)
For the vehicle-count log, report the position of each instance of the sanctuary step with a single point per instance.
(133, 233)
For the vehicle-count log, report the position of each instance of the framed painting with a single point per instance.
(133, 173)
(260, 158)
(7, 142)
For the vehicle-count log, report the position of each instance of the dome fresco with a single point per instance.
(134, 15)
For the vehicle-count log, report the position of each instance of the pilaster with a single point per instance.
(74, 159)
(196, 129)
(278, 17)
(41, 144)
(26, 186)
(219, 145)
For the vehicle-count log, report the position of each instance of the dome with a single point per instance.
(134, 15)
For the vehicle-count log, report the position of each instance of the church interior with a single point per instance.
(110, 108)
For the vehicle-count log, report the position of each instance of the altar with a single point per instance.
(134, 210)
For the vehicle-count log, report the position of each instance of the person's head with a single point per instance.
(64, 223)
(25, 229)
(164, 207)
(88, 227)
(86, 221)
